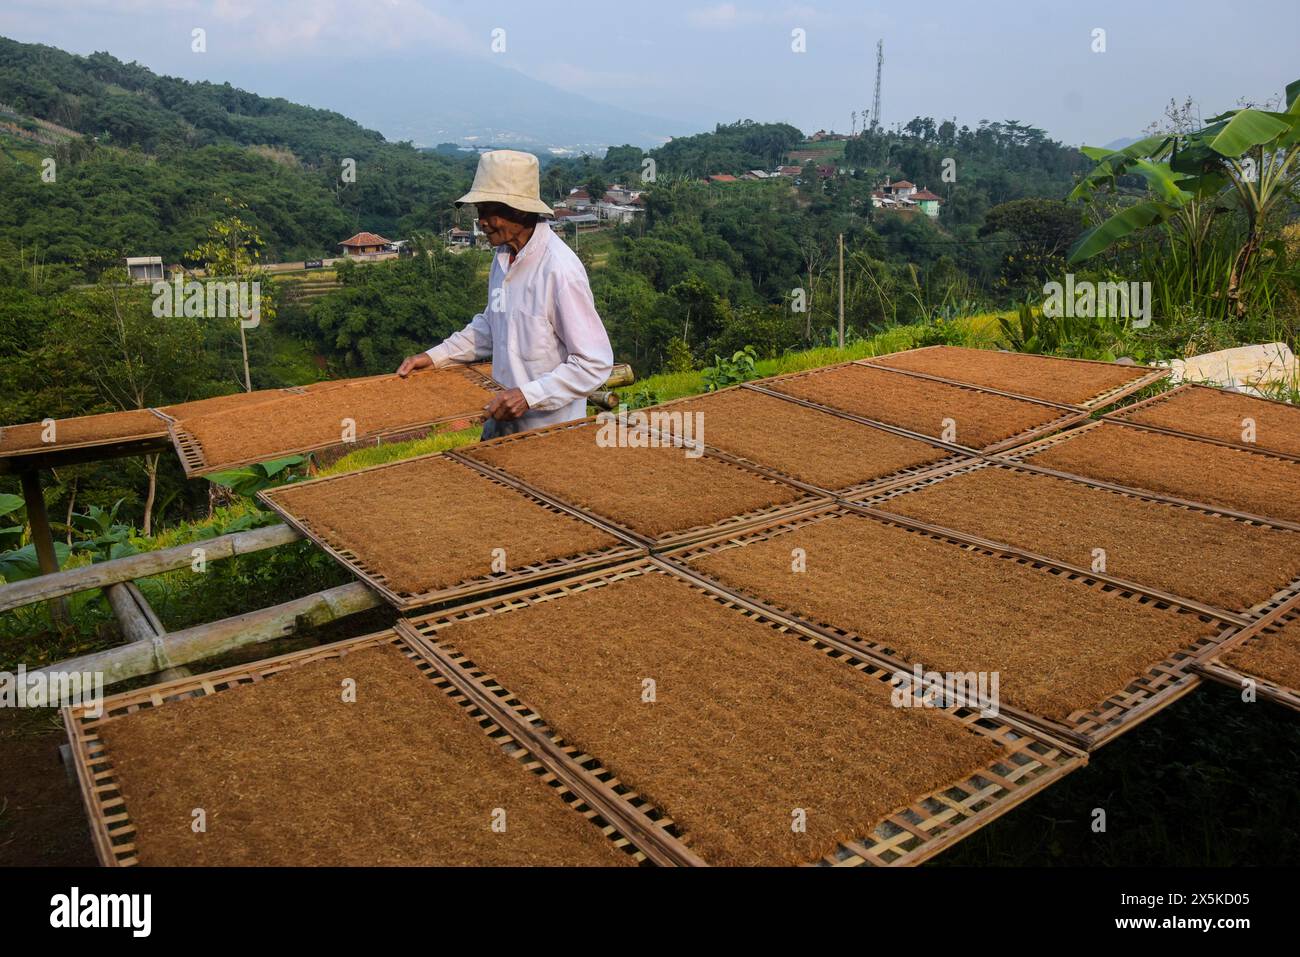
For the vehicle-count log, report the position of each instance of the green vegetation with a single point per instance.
(156, 156)
(1202, 212)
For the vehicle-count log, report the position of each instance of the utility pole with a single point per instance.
(841, 290)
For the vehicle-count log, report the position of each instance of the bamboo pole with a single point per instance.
(139, 621)
(621, 374)
(133, 613)
(841, 290)
(132, 567)
(209, 640)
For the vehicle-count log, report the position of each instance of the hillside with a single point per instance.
(149, 160)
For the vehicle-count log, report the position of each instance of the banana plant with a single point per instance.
(1245, 159)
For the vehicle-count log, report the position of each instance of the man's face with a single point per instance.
(499, 223)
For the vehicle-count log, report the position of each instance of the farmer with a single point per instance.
(548, 346)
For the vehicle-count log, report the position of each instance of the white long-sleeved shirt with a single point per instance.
(541, 330)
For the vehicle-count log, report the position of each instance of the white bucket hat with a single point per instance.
(510, 177)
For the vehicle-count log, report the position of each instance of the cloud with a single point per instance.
(720, 15)
(312, 27)
(287, 28)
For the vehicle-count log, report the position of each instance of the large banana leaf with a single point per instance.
(1293, 96)
(1115, 163)
(1163, 181)
(1248, 129)
(1126, 221)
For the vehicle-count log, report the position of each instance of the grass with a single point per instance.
(396, 451)
(977, 331)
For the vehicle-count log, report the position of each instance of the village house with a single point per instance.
(580, 220)
(461, 237)
(617, 212)
(577, 199)
(145, 268)
(621, 195)
(904, 195)
(928, 202)
(365, 244)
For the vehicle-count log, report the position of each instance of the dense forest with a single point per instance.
(156, 156)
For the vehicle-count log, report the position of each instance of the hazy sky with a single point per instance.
(702, 62)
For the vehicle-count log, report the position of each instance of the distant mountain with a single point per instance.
(438, 99)
(1122, 142)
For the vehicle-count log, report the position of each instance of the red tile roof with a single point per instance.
(903, 184)
(365, 239)
(925, 194)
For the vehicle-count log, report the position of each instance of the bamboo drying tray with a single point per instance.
(1123, 417)
(1067, 415)
(910, 835)
(470, 587)
(1024, 455)
(1087, 728)
(877, 501)
(195, 463)
(1213, 664)
(141, 441)
(1099, 400)
(900, 476)
(111, 827)
(655, 543)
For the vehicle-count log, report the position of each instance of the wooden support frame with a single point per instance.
(159, 653)
(113, 832)
(1088, 728)
(141, 565)
(42, 538)
(469, 587)
(1214, 665)
(908, 836)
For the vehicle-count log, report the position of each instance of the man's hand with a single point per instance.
(411, 363)
(507, 405)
